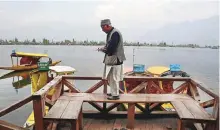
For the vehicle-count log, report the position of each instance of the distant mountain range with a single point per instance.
(201, 32)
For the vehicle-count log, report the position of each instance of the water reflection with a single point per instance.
(20, 79)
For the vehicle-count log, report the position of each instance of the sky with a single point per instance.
(80, 19)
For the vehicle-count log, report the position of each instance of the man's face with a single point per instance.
(104, 28)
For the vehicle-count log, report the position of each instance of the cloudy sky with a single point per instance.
(80, 19)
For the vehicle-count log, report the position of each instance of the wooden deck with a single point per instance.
(120, 124)
(64, 115)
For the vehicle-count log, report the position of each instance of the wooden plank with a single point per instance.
(95, 87)
(72, 110)
(81, 77)
(204, 89)
(8, 126)
(140, 124)
(136, 98)
(57, 110)
(109, 124)
(131, 114)
(182, 110)
(42, 92)
(141, 78)
(87, 125)
(71, 86)
(117, 124)
(15, 106)
(139, 87)
(194, 91)
(207, 104)
(197, 111)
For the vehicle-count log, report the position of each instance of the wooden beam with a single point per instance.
(215, 113)
(194, 91)
(207, 104)
(8, 126)
(112, 106)
(71, 86)
(158, 88)
(96, 105)
(80, 77)
(204, 89)
(139, 78)
(177, 90)
(43, 91)
(15, 106)
(58, 91)
(140, 107)
(139, 87)
(95, 87)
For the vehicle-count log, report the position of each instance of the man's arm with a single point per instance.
(113, 43)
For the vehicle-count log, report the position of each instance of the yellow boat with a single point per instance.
(40, 79)
(27, 61)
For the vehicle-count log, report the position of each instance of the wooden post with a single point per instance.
(80, 120)
(75, 125)
(131, 114)
(12, 61)
(38, 106)
(105, 92)
(180, 125)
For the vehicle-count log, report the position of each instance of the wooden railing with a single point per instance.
(41, 98)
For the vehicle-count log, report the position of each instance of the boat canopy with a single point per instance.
(157, 70)
(22, 54)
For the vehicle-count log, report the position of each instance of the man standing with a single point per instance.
(114, 57)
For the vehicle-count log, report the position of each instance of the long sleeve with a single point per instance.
(113, 43)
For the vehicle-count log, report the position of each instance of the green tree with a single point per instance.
(67, 41)
(34, 41)
(45, 41)
(16, 40)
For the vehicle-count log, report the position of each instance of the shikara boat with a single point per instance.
(27, 61)
(153, 71)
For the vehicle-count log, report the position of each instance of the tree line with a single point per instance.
(45, 41)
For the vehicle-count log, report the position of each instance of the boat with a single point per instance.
(41, 78)
(27, 61)
(153, 71)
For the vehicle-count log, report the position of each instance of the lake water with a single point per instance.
(201, 64)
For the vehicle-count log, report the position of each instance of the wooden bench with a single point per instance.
(186, 107)
(67, 110)
(190, 110)
(131, 99)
